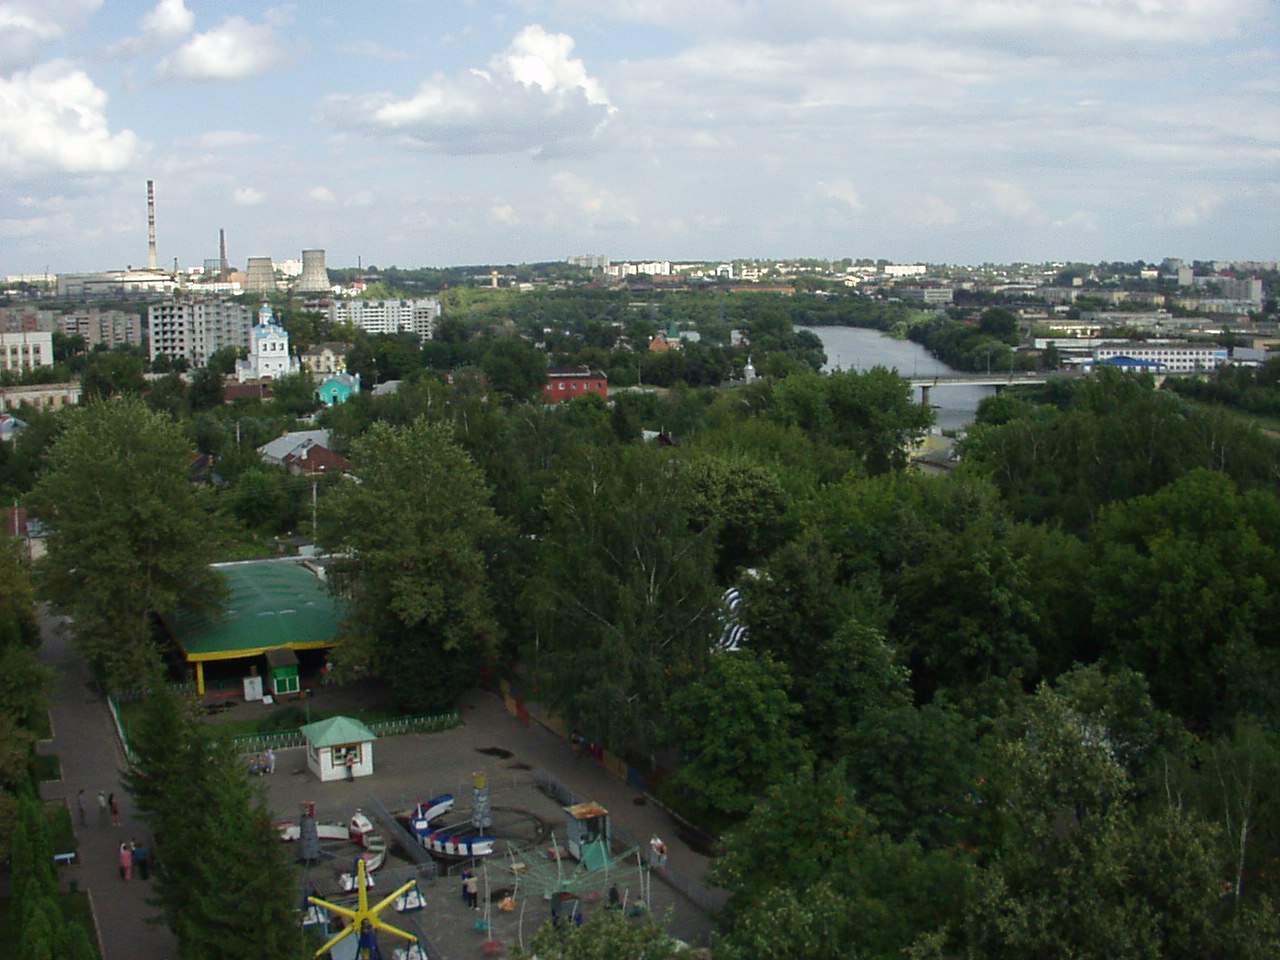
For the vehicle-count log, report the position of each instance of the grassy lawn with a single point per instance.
(60, 829)
(47, 767)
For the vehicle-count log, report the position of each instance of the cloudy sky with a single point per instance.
(436, 132)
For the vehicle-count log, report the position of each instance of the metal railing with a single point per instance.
(282, 739)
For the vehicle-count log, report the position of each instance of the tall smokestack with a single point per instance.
(223, 270)
(151, 224)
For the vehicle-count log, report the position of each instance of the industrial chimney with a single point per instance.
(315, 278)
(151, 225)
(223, 268)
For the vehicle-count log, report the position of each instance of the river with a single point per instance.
(857, 348)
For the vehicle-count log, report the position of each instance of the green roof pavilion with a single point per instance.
(270, 605)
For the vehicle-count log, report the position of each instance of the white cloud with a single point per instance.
(843, 191)
(167, 23)
(374, 51)
(928, 210)
(1012, 200)
(227, 140)
(248, 196)
(234, 51)
(503, 214)
(28, 26)
(599, 206)
(52, 119)
(320, 195)
(1194, 210)
(535, 97)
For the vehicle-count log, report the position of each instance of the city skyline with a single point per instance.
(431, 134)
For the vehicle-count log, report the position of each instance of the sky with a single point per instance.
(445, 132)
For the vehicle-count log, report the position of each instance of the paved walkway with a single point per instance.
(86, 746)
(407, 768)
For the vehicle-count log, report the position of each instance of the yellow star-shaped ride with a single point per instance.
(363, 913)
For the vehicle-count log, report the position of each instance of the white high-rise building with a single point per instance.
(268, 351)
(388, 316)
(197, 328)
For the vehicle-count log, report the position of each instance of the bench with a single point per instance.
(64, 859)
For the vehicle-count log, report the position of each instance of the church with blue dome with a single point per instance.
(269, 356)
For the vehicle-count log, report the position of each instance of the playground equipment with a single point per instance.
(365, 919)
(358, 830)
(412, 901)
(463, 841)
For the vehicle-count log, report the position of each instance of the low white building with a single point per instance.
(26, 350)
(340, 748)
(1169, 356)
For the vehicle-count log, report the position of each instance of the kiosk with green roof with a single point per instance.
(271, 606)
(340, 748)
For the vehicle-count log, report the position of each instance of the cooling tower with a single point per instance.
(262, 276)
(315, 278)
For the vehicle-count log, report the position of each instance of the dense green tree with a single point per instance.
(515, 367)
(607, 935)
(809, 861)
(111, 373)
(624, 601)
(419, 532)
(737, 729)
(1196, 538)
(205, 390)
(227, 889)
(746, 503)
(916, 770)
(130, 538)
(999, 323)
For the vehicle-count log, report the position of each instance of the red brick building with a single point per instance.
(568, 383)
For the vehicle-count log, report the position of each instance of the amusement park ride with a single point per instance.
(566, 876)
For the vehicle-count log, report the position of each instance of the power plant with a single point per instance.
(314, 278)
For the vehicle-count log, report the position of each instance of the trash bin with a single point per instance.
(74, 884)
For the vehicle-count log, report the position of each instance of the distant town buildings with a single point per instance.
(388, 316)
(195, 328)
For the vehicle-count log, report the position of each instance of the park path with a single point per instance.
(85, 743)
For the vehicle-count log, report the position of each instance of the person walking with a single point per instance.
(126, 862)
(114, 808)
(142, 860)
(271, 760)
(102, 809)
(84, 819)
(472, 886)
(351, 766)
(657, 853)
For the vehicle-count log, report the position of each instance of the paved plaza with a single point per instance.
(407, 768)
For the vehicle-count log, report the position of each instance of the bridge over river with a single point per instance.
(990, 379)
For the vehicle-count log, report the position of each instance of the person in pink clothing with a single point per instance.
(126, 862)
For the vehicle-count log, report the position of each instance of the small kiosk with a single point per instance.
(340, 748)
(589, 834)
(282, 667)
